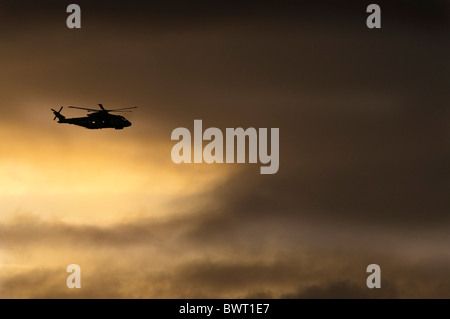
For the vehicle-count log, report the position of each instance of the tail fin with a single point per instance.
(58, 115)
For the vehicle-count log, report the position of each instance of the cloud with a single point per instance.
(30, 230)
(142, 258)
(363, 158)
(343, 290)
(288, 277)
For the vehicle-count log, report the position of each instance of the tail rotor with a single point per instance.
(57, 113)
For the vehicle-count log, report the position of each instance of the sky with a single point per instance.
(364, 150)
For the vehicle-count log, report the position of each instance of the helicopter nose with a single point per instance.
(128, 123)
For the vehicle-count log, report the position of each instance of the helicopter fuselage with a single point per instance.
(98, 120)
(95, 121)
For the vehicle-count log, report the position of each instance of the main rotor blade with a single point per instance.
(83, 108)
(125, 108)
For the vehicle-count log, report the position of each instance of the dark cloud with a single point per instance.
(287, 277)
(343, 290)
(364, 128)
(28, 229)
(50, 283)
(400, 9)
(149, 259)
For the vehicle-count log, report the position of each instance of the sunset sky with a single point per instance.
(364, 172)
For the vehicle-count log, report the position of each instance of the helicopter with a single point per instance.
(98, 119)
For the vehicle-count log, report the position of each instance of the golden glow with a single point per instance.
(93, 176)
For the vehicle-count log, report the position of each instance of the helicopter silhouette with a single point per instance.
(98, 119)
